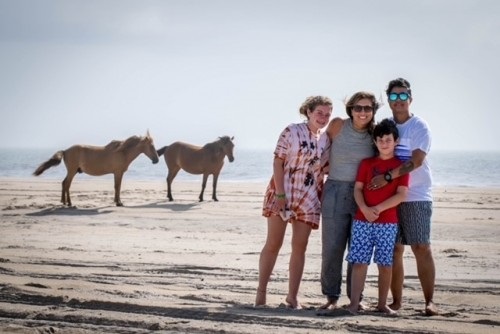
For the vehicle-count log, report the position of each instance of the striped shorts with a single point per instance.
(414, 222)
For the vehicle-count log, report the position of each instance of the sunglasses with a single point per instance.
(401, 96)
(358, 108)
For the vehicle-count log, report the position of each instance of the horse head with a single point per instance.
(148, 148)
(227, 146)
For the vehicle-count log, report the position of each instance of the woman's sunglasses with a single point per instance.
(358, 108)
(401, 96)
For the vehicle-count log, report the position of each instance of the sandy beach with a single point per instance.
(191, 267)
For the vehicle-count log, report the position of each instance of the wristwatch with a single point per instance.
(388, 176)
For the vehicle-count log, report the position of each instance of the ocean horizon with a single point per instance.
(449, 168)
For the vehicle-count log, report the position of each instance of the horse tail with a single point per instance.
(161, 151)
(54, 161)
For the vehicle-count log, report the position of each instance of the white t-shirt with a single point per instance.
(415, 134)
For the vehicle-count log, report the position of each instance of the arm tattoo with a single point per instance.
(406, 167)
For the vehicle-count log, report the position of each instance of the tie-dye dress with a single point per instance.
(301, 152)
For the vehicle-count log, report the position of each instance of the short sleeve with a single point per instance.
(284, 142)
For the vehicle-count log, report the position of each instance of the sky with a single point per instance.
(88, 72)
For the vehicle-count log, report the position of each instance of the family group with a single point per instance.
(376, 199)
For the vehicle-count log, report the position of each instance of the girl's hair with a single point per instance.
(359, 96)
(312, 102)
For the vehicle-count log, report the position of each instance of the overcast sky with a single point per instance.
(88, 72)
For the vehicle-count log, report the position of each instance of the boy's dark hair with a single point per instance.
(399, 82)
(385, 127)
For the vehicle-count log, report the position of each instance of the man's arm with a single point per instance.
(417, 159)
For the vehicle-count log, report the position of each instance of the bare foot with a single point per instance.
(395, 306)
(293, 303)
(386, 309)
(362, 306)
(330, 304)
(353, 309)
(431, 309)
(260, 298)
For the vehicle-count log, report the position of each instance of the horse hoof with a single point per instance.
(119, 204)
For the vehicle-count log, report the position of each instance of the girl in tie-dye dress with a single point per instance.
(294, 192)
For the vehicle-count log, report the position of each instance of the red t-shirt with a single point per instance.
(370, 167)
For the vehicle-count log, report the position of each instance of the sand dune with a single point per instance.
(186, 266)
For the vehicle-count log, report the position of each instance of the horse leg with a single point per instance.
(65, 199)
(214, 187)
(172, 172)
(203, 185)
(118, 185)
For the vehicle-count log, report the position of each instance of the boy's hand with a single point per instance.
(371, 213)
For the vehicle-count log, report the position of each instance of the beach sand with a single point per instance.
(190, 267)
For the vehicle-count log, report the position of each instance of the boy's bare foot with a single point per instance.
(395, 306)
(260, 298)
(431, 309)
(386, 309)
(330, 304)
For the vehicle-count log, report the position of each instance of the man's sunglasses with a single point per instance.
(402, 96)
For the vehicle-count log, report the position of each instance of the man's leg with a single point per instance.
(427, 275)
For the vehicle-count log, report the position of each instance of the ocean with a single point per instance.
(450, 168)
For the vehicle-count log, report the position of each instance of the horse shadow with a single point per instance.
(69, 211)
(178, 207)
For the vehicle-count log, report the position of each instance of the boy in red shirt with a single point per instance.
(375, 225)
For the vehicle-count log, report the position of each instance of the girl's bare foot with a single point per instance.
(431, 309)
(293, 303)
(260, 298)
(362, 306)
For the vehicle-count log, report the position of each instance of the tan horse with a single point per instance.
(205, 160)
(99, 160)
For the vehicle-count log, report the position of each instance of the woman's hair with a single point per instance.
(359, 96)
(399, 82)
(312, 102)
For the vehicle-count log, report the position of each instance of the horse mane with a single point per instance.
(216, 147)
(130, 142)
(123, 145)
(112, 145)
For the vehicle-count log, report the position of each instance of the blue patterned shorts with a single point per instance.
(366, 236)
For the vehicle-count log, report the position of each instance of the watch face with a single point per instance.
(387, 177)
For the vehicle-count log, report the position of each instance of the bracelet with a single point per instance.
(280, 196)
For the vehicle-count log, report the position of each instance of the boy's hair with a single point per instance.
(399, 82)
(385, 127)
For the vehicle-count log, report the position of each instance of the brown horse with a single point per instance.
(99, 160)
(205, 160)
